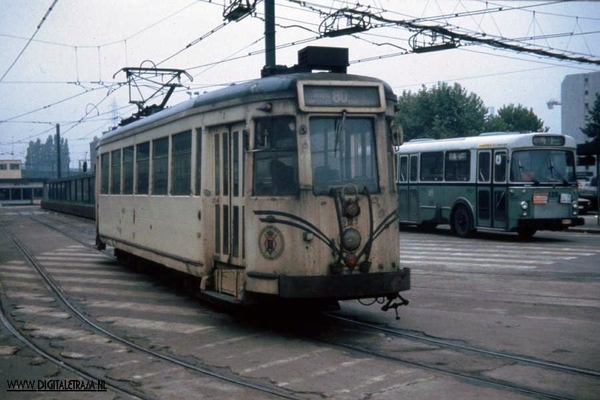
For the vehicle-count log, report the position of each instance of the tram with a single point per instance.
(280, 187)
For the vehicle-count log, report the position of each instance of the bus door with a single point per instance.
(403, 187)
(500, 190)
(229, 206)
(492, 190)
(484, 188)
(413, 188)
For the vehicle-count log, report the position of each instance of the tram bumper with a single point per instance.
(345, 287)
(550, 224)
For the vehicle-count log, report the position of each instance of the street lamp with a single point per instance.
(552, 102)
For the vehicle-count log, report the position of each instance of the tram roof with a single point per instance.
(496, 140)
(269, 88)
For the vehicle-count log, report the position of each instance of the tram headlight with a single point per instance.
(351, 239)
(524, 205)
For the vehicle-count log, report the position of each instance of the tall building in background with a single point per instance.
(578, 93)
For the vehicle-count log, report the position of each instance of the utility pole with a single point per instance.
(270, 33)
(58, 175)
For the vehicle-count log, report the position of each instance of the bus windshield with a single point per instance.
(342, 152)
(543, 166)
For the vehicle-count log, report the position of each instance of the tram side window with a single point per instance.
(457, 168)
(160, 166)
(115, 172)
(104, 170)
(432, 166)
(181, 171)
(198, 160)
(128, 170)
(142, 167)
(276, 166)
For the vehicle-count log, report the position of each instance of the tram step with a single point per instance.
(211, 296)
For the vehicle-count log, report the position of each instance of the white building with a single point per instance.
(578, 93)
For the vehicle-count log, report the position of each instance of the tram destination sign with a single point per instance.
(338, 96)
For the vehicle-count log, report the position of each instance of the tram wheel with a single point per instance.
(462, 222)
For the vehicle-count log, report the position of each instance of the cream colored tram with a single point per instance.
(282, 186)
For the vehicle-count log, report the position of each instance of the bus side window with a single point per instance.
(403, 169)
(432, 166)
(457, 166)
(500, 167)
(414, 167)
(483, 174)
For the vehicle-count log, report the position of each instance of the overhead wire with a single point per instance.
(299, 24)
(37, 29)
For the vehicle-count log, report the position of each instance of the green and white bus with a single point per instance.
(507, 182)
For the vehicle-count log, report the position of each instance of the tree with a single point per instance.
(42, 157)
(443, 111)
(592, 121)
(513, 118)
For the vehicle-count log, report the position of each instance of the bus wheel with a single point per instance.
(462, 222)
(526, 233)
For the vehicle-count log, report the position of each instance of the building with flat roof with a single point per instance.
(10, 169)
(14, 189)
(578, 93)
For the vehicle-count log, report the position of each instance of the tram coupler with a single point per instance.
(388, 305)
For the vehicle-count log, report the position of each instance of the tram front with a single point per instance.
(324, 195)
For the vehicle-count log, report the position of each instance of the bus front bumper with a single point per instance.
(550, 224)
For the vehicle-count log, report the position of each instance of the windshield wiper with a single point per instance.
(339, 130)
(528, 174)
(554, 171)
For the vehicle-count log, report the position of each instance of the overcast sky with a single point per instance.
(61, 69)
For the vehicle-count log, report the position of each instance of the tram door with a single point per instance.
(229, 206)
(491, 189)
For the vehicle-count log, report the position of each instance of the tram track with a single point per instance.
(58, 292)
(465, 376)
(447, 344)
(61, 363)
(464, 349)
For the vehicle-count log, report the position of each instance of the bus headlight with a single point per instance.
(351, 239)
(524, 205)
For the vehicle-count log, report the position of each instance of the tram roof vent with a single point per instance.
(332, 59)
(314, 58)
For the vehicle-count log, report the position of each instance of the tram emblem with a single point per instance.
(271, 242)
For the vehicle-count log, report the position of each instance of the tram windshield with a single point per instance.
(543, 166)
(343, 152)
